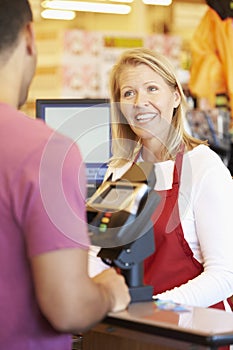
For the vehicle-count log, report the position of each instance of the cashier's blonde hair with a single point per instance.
(125, 143)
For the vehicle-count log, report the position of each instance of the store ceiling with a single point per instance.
(36, 5)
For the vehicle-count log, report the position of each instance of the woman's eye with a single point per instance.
(152, 88)
(128, 93)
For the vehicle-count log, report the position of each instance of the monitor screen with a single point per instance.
(87, 122)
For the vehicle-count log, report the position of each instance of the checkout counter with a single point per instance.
(119, 223)
(145, 326)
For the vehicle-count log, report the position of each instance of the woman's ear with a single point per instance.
(177, 98)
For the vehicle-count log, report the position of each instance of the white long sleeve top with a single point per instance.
(206, 213)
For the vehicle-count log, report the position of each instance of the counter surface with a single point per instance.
(197, 325)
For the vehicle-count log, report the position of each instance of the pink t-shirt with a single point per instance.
(42, 208)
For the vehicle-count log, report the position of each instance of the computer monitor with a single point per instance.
(87, 122)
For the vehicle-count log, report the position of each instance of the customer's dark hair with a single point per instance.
(14, 14)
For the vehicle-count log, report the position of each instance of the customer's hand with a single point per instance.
(115, 287)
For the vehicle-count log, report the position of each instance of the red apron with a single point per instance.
(173, 263)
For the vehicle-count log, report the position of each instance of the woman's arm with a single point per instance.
(212, 204)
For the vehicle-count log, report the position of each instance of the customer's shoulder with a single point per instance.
(28, 135)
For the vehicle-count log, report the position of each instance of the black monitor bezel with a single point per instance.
(41, 103)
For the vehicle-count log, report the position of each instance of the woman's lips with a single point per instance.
(145, 117)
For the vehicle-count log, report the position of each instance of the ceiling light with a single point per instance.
(157, 2)
(128, 1)
(57, 14)
(86, 6)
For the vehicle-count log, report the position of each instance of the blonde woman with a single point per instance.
(193, 261)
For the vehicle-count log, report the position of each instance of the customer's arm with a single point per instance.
(71, 301)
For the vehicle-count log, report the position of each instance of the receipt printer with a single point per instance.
(119, 220)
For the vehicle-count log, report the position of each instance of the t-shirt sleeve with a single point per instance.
(49, 198)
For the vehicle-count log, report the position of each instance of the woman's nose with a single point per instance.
(141, 99)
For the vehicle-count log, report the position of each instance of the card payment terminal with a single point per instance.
(119, 221)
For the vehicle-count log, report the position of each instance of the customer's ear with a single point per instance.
(30, 38)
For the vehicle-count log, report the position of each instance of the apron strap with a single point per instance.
(178, 165)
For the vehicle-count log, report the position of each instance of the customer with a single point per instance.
(45, 291)
(193, 261)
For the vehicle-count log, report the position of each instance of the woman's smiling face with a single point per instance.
(147, 101)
